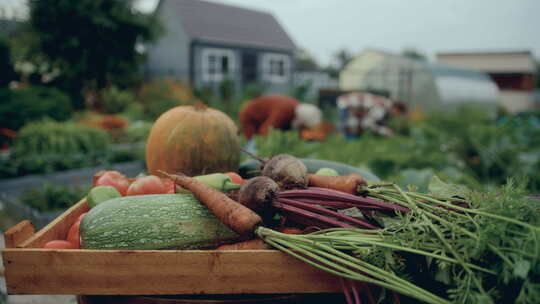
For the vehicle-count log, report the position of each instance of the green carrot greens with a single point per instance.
(454, 246)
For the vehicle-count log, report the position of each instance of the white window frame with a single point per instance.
(271, 65)
(218, 54)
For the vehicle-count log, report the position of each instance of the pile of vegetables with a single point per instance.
(450, 245)
(121, 195)
(386, 243)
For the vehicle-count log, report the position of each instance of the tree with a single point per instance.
(305, 62)
(537, 85)
(8, 73)
(91, 42)
(413, 54)
(343, 57)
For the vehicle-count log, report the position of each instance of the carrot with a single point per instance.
(345, 183)
(253, 244)
(238, 218)
(290, 230)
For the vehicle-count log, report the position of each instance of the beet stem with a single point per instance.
(309, 214)
(324, 193)
(354, 289)
(332, 213)
(345, 287)
(336, 204)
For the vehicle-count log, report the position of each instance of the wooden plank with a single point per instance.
(58, 228)
(18, 234)
(109, 272)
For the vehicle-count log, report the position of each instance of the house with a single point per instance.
(513, 72)
(420, 84)
(206, 43)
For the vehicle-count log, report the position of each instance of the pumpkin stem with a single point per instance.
(200, 106)
(261, 160)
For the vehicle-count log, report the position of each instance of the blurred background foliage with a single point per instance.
(469, 146)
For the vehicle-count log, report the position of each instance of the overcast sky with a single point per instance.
(325, 26)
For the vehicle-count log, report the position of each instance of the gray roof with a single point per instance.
(220, 23)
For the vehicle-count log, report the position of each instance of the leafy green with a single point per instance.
(455, 245)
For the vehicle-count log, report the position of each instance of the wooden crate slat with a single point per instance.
(19, 233)
(41, 271)
(58, 228)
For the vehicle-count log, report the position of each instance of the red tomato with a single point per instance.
(150, 184)
(73, 234)
(81, 217)
(96, 176)
(235, 178)
(114, 179)
(60, 244)
(169, 185)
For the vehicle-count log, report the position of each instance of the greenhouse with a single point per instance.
(418, 83)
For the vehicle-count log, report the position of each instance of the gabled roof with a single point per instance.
(220, 23)
(491, 61)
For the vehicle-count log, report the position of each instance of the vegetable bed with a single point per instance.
(29, 269)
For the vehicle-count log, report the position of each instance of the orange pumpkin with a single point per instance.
(193, 140)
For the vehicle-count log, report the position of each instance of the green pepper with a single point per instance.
(218, 181)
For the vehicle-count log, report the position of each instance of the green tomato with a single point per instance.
(327, 171)
(100, 194)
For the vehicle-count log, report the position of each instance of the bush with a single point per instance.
(8, 73)
(137, 131)
(116, 100)
(160, 95)
(47, 146)
(19, 107)
(53, 198)
(49, 137)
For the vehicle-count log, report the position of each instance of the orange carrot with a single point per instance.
(253, 244)
(238, 218)
(290, 230)
(345, 183)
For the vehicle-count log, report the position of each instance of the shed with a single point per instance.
(514, 72)
(432, 86)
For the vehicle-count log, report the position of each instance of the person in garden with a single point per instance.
(258, 115)
(361, 112)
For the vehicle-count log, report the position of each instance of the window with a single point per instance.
(276, 67)
(217, 64)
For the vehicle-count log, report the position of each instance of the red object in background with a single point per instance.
(10, 134)
(258, 115)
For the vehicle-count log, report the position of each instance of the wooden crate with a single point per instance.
(30, 269)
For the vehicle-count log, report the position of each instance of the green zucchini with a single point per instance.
(251, 168)
(157, 221)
